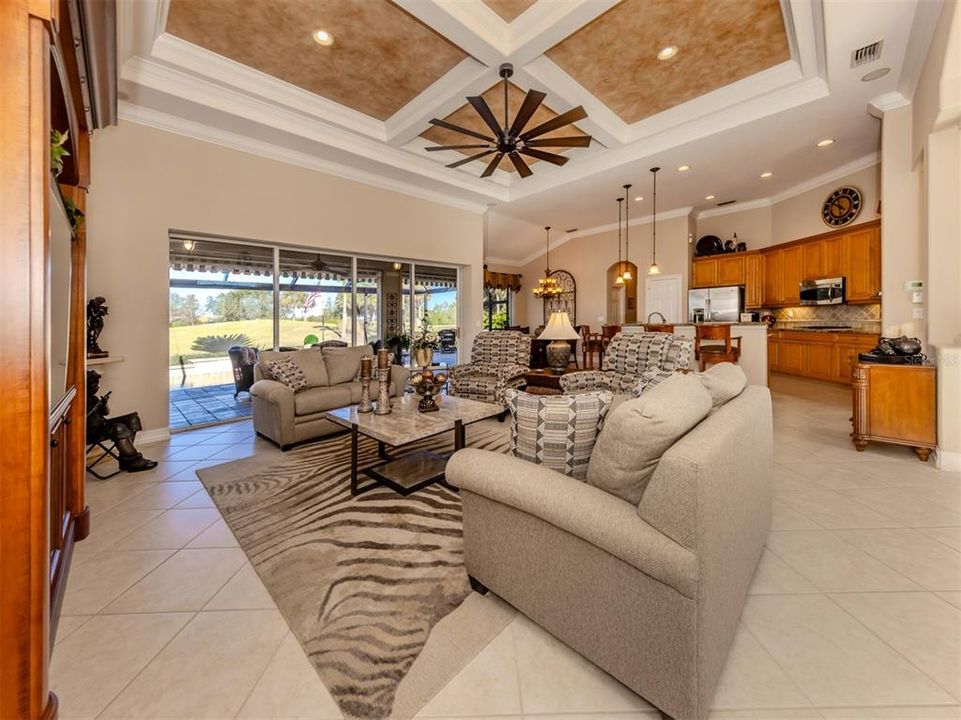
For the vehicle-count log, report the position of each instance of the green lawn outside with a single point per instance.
(260, 332)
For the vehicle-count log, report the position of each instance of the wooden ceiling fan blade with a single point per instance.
(457, 128)
(492, 166)
(520, 165)
(541, 155)
(483, 109)
(528, 108)
(571, 116)
(573, 141)
(455, 147)
(469, 159)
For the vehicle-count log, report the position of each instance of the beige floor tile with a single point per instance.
(767, 714)
(161, 496)
(784, 517)
(905, 506)
(197, 452)
(950, 536)
(833, 658)
(290, 688)
(165, 469)
(899, 713)
(834, 565)
(67, 624)
(554, 678)
(920, 626)
(244, 591)
(945, 494)
(787, 479)
(96, 662)
(207, 671)
(186, 581)
(487, 686)
(952, 597)
(926, 561)
(173, 529)
(104, 576)
(217, 535)
(199, 499)
(637, 715)
(830, 509)
(235, 452)
(112, 525)
(774, 576)
(839, 475)
(908, 473)
(751, 678)
(102, 495)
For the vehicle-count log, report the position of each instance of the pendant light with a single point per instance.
(627, 275)
(547, 286)
(618, 280)
(654, 269)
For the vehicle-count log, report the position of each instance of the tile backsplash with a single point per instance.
(866, 318)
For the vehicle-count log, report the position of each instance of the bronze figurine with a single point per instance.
(96, 311)
(121, 429)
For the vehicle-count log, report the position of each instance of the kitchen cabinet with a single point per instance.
(753, 281)
(848, 347)
(861, 264)
(895, 404)
(791, 275)
(818, 355)
(791, 356)
(811, 261)
(704, 273)
(771, 272)
(773, 346)
(730, 270)
(819, 360)
(831, 257)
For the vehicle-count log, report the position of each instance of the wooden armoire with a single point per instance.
(57, 71)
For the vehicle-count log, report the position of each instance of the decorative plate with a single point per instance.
(708, 245)
(841, 206)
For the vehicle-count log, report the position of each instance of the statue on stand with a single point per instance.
(121, 429)
(96, 311)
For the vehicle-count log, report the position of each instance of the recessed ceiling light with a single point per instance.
(825, 142)
(708, 197)
(322, 37)
(666, 53)
(683, 168)
(875, 74)
(638, 198)
(766, 174)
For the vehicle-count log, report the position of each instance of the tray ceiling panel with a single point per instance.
(720, 42)
(466, 117)
(509, 10)
(381, 58)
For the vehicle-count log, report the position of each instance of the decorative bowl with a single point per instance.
(427, 384)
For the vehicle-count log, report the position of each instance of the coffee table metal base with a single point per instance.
(406, 474)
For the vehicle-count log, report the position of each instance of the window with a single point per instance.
(497, 308)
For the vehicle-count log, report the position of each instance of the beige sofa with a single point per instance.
(288, 418)
(650, 593)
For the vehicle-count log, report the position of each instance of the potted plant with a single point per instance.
(397, 344)
(424, 344)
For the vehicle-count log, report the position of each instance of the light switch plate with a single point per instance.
(917, 313)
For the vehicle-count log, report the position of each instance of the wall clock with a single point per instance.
(841, 206)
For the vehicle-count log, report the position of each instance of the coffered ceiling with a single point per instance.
(754, 84)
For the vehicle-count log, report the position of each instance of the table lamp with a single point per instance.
(559, 330)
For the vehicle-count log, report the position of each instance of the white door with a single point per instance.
(663, 295)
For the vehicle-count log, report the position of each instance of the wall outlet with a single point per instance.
(917, 313)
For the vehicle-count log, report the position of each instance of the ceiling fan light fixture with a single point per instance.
(322, 37)
(667, 52)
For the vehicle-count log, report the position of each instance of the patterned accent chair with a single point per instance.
(634, 363)
(498, 361)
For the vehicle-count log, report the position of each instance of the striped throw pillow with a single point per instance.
(558, 431)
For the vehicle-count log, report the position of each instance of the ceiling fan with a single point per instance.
(511, 140)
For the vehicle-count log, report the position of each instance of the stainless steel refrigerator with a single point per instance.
(720, 304)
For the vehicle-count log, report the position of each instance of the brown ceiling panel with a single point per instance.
(509, 10)
(466, 117)
(720, 41)
(380, 60)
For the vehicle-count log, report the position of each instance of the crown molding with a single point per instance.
(735, 208)
(837, 173)
(503, 261)
(217, 136)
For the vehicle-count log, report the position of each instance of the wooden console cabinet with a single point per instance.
(895, 404)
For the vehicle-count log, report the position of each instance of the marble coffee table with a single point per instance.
(404, 425)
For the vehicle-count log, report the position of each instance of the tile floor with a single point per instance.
(855, 611)
(190, 406)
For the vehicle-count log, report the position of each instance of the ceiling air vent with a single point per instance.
(866, 54)
(726, 202)
(570, 230)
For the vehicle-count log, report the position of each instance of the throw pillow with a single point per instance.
(638, 432)
(286, 370)
(343, 364)
(558, 431)
(724, 381)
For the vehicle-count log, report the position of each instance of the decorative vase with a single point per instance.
(558, 355)
(423, 357)
(383, 394)
(427, 384)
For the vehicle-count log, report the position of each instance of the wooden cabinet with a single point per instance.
(791, 356)
(811, 261)
(861, 264)
(819, 360)
(848, 347)
(730, 270)
(791, 275)
(822, 356)
(704, 273)
(831, 257)
(771, 272)
(753, 281)
(895, 404)
(773, 355)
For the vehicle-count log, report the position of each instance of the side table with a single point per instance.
(544, 382)
(895, 404)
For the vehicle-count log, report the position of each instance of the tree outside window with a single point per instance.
(497, 308)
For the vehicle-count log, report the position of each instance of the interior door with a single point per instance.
(663, 295)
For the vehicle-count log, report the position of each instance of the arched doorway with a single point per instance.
(621, 299)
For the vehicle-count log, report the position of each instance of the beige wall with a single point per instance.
(752, 226)
(146, 182)
(588, 257)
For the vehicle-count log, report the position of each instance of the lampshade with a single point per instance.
(559, 328)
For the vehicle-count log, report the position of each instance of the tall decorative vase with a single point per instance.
(423, 357)
(383, 395)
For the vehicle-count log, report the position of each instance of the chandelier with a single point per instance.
(547, 286)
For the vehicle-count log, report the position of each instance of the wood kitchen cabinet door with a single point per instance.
(704, 273)
(831, 257)
(753, 281)
(791, 275)
(730, 270)
(790, 357)
(771, 272)
(811, 265)
(819, 361)
(772, 354)
(861, 264)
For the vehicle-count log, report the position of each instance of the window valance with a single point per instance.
(501, 281)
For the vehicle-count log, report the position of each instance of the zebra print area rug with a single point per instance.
(360, 580)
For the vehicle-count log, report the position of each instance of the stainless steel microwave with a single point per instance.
(829, 291)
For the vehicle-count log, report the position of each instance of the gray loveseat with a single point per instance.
(288, 418)
(651, 592)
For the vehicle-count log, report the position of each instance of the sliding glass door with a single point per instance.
(315, 299)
